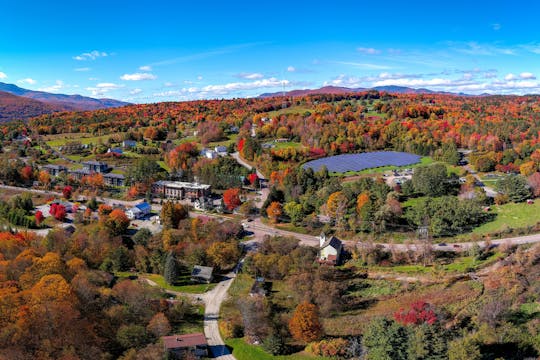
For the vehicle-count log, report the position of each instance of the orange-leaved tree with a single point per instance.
(274, 211)
(305, 324)
(231, 198)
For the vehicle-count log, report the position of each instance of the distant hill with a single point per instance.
(14, 107)
(61, 101)
(343, 90)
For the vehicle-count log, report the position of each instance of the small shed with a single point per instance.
(202, 274)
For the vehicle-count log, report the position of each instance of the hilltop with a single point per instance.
(24, 103)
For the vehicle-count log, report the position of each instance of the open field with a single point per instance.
(243, 351)
(84, 138)
(511, 215)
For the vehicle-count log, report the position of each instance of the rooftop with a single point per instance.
(204, 272)
(333, 242)
(184, 341)
(182, 185)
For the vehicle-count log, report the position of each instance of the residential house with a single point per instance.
(221, 150)
(113, 179)
(202, 274)
(78, 174)
(330, 250)
(258, 288)
(115, 151)
(129, 144)
(179, 346)
(55, 170)
(95, 166)
(180, 190)
(139, 211)
(209, 153)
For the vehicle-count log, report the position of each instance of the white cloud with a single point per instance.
(3, 75)
(199, 77)
(474, 48)
(496, 26)
(58, 85)
(27, 81)
(510, 76)
(291, 69)
(368, 51)
(237, 86)
(527, 75)
(168, 84)
(138, 77)
(145, 68)
(135, 91)
(368, 66)
(222, 90)
(82, 69)
(92, 55)
(103, 88)
(250, 76)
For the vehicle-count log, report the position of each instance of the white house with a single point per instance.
(139, 211)
(209, 153)
(330, 249)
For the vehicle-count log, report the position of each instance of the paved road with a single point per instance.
(265, 191)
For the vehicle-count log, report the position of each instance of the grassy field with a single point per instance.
(290, 110)
(370, 289)
(59, 140)
(185, 284)
(243, 351)
(511, 216)
(185, 287)
(164, 165)
(288, 144)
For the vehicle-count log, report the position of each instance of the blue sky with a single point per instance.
(151, 51)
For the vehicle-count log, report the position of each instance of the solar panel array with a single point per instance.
(358, 162)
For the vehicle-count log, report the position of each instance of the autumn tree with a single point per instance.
(159, 325)
(67, 191)
(172, 213)
(223, 254)
(305, 324)
(58, 211)
(44, 178)
(231, 198)
(274, 211)
(534, 183)
(39, 217)
(294, 211)
(117, 222)
(336, 206)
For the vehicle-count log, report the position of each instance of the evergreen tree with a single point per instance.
(170, 271)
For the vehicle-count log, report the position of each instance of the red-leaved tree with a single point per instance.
(39, 217)
(58, 211)
(419, 313)
(231, 198)
(67, 191)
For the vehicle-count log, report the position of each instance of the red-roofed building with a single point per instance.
(178, 345)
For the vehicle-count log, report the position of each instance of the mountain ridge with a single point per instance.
(343, 90)
(62, 101)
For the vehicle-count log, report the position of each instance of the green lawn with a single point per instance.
(185, 286)
(83, 138)
(512, 216)
(164, 165)
(290, 110)
(370, 288)
(288, 144)
(243, 351)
